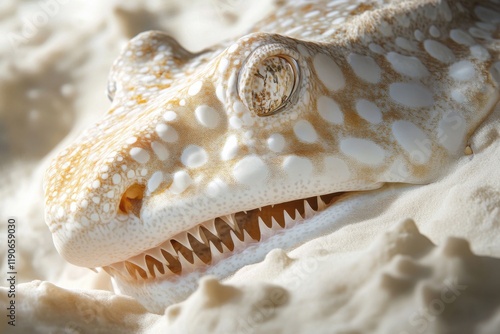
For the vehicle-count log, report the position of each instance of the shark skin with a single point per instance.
(207, 161)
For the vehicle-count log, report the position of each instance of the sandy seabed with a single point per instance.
(402, 259)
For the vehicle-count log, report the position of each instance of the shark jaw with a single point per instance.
(213, 241)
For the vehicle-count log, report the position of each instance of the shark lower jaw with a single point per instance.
(209, 243)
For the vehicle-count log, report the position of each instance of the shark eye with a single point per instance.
(268, 81)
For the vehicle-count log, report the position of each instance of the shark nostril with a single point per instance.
(131, 201)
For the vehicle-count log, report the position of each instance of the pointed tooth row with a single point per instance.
(200, 245)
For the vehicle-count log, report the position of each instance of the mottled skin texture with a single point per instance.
(320, 98)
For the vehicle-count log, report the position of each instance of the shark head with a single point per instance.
(206, 161)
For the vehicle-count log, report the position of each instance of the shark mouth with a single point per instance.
(211, 241)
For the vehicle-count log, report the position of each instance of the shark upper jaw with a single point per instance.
(211, 242)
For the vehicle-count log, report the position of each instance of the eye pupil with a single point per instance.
(266, 87)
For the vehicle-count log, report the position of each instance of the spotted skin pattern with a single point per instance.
(322, 97)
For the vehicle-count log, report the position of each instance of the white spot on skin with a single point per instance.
(233, 48)
(419, 36)
(305, 132)
(181, 181)
(434, 31)
(451, 131)
(439, 51)
(446, 11)
(140, 155)
(413, 140)
(479, 33)
(312, 14)
(195, 88)
(207, 116)
(487, 15)
(117, 179)
(480, 53)
(235, 122)
(131, 140)
(365, 67)
(328, 72)
(297, 167)
(462, 71)
(461, 37)
(363, 150)
(276, 142)
(223, 65)
(60, 213)
(251, 171)
(96, 184)
(167, 133)
(160, 150)
(216, 188)
(220, 93)
(405, 44)
(329, 110)
(194, 156)
(337, 168)
(230, 148)
(155, 181)
(376, 48)
(409, 66)
(412, 95)
(369, 111)
(169, 116)
(385, 28)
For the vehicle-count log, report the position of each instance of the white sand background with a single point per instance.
(374, 272)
